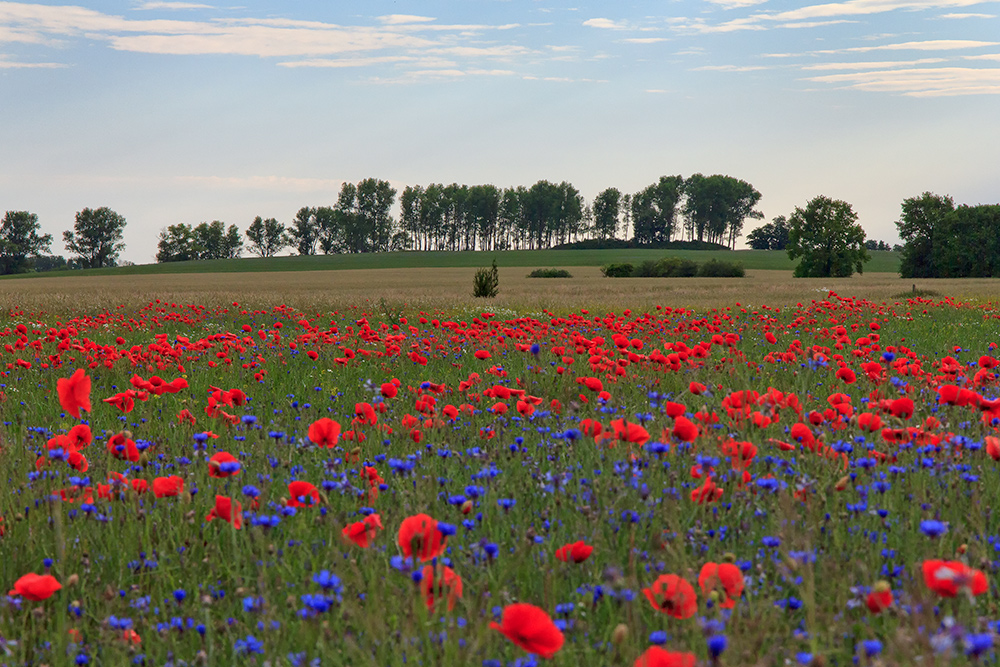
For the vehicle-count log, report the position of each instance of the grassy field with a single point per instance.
(781, 476)
(881, 262)
(450, 290)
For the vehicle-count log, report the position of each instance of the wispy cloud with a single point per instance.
(925, 45)
(967, 16)
(398, 39)
(12, 64)
(922, 82)
(173, 5)
(729, 68)
(880, 64)
(735, 4)
(644, 40)
(606, 24)
(865, 7)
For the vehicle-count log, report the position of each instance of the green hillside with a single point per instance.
(881, 262)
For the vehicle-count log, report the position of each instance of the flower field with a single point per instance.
(797, 484)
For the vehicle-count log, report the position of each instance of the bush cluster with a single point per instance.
(675, 267)
(550, 273)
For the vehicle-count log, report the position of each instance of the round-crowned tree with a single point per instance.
(828, 238)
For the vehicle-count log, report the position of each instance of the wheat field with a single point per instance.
(449, 290)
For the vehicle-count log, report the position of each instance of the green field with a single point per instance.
(881, 262)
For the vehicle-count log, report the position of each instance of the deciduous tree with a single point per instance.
(828, 238)
(96, 238)
(267, 237)
(20, 241)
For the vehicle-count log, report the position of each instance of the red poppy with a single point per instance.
(658, 657)
(576, 552)
(846, 375)
(993, 447)
(124, 401)
(880, 598)
(530, 628)
(364, 413)
(36, 587)
(363, 532)
(74, 393)
(723, 577)
(227, 509)
(684, 429)
(140, 485)
(77, 461)
(672, 595)
(948, 577)
(80, 436)
(419, 536)
(215, 465)
(433, 588)
(389, 390)
(324, 432)
(629, 432)
(165, 487)
(302, 494)
(697, 388)
(123, 448)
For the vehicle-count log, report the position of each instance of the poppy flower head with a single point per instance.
(419, 537)
(166, 487)
(74, 393)
(324, 432)
(223, 464)
(672, 595)
(435, 586)
(35, 587)
(363, 532)
(655, 656)
(725, 578)
(302, 494)
(227, 509)
(948, 577)
(576, 552)
(530, 628)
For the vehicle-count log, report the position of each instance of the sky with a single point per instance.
(171, 112)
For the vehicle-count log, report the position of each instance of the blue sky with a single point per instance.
(175, 112)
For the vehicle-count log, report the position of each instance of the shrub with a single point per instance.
(715, 268)
(486, 283)
(550, 273)
(649, 268)
(617, 270)
(675, 267)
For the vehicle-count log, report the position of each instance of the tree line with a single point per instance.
(942, 240)
(709, 209)
(96, 241)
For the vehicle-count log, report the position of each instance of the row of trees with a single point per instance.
(96, 241)
(942, 240)
(485, 217)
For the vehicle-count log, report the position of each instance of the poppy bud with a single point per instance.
(127, 434)
(842, 483)
(144, 459)
(290, 601)
(818, 661)
(619, 634)
(466, 507)
(72, 580)
(19, 516)
(962, 549)
(356, 453)
(186, 498)
(729, 557)
(714, 597)
(201, 657)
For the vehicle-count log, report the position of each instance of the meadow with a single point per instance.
(363, 467)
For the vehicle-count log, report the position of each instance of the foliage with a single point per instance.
(550, 273)
(97, 237)
(267, 237)
(486, 282)
(716, 268)
(772, 236)
(653, 210)
(43, 263)
(20, 241)
(617, 244)
(716, 206)
(825, 234)
(182, 242)
(622, 270)
(945, 241)
(305, 231)
(606, 213)
(872, 244)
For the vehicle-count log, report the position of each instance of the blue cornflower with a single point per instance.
(249, 645)
(716, 645)
(933, 527)
(871, 647)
